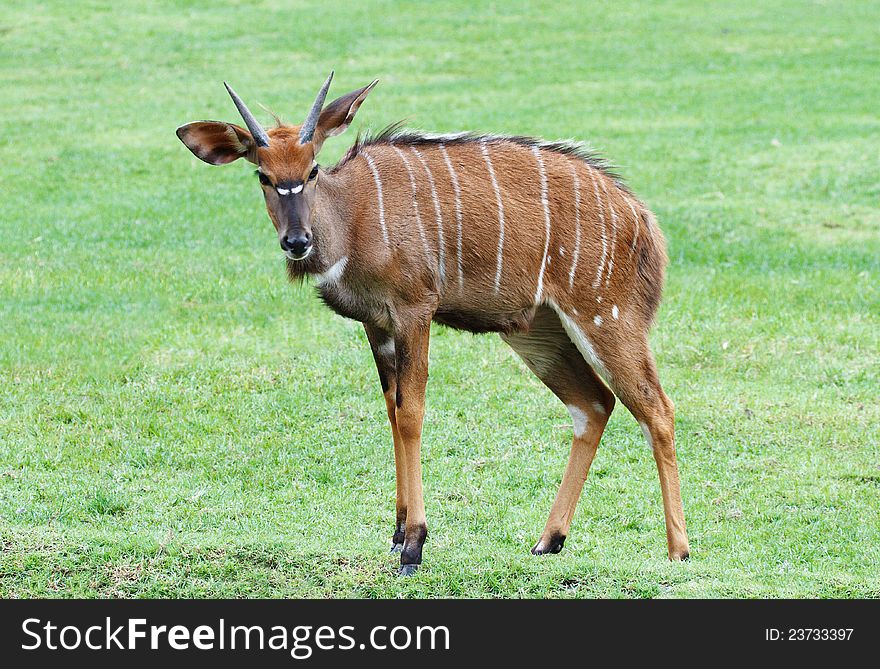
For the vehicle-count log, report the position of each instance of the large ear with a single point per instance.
(218, 143)
(338, 115)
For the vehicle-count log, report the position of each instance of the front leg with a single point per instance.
(382, 345)
(411, 345)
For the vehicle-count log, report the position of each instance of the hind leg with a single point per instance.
(632, 374)
(656, 414)
(548, 352)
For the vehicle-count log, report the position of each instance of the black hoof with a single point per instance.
(407, 569)
(554, 545)
(397, 548)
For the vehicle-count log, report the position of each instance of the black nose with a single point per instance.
(297, 244)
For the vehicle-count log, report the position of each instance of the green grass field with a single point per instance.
(176, 420)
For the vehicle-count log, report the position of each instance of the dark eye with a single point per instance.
(313, 173)
(264, 179)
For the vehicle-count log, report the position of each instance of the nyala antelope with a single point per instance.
(537, 241)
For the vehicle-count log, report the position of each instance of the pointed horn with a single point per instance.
(307, 131)
(257, 132)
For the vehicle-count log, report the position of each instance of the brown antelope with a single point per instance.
(535, 240)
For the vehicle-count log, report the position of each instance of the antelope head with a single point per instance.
(285, 157)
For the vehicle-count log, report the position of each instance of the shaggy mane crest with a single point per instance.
(397, 134)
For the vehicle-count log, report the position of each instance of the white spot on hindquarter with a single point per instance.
(647, 433)
(438, 218)
(601, 269)
(577, 223)
(579, 419)
(597, 319)
(613, 233)
(412, 183)
(599, 408)
(333, 274)
(457, 189)
(485, 150)
(378, 181)
(539, 293)
(615, 312)
(581, 341)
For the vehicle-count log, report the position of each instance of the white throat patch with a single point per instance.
(333, 274)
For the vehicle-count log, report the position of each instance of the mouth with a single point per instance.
(291, 256)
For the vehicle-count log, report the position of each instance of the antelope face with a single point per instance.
(284, 156)
(289, 178)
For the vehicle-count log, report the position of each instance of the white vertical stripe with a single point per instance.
(437, 215)
(636, 224)
(613, 233)
(412, 183)
(457, 189)
(488, 160)
(540, 292)
(601, 267)
(378, 181)
(577, 222)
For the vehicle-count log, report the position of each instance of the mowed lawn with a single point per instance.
(176, 420)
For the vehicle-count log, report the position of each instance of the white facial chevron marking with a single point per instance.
(289, 191)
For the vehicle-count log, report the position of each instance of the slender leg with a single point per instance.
(632, 374)
(382, 345)
(549, 353)
(638, 387)
(658, 424)
(411, 344)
